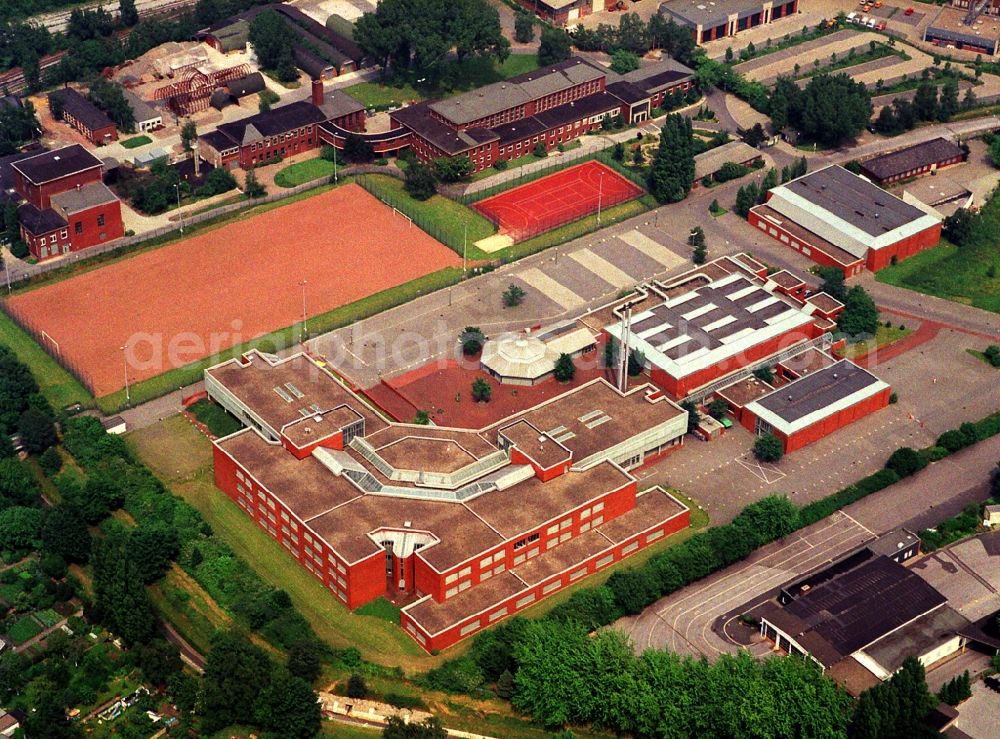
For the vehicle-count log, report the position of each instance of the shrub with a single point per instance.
(565, 370)
(768, 448)
(50, 461)
(500, 165)
(356, 687)
(905, 461)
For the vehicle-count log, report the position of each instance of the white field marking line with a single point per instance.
(711, 618)
(738, 573)
(857, 523)
(760, 471)
(767, 573)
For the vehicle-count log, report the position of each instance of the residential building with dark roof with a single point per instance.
(461, 527)
(549, 106)
(68, 206)
(84, 116)
(843, 220)
(914, 161)
(709, 21)
(279, 132)
(147, 118)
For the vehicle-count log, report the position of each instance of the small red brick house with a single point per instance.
(84, 116)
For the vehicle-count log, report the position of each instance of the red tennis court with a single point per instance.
(557, 199)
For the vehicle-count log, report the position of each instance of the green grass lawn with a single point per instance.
(981, 356)
(883, 337)
(136, 141)
(380, 608)
(448, 221)
(23, 630)
(457, 77)
(953, 273)
(58, 386)
(302, 172)
(219, 421)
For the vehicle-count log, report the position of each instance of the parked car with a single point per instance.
(908, 11)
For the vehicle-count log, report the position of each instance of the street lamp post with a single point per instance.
(128, 394)
(600, 195)
(305, 325)
(465, 241)
(177, 189)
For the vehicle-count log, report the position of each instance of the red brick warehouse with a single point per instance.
(839, 219)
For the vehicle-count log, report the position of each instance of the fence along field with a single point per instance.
(196, 297)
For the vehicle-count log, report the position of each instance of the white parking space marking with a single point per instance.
(554, 291)
(650, 248)
(602, 268)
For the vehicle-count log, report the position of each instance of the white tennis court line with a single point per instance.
(650, 248)
(554, 291)
(602, 268)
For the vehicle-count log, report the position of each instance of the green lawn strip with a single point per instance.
(845, 62)
(957, 274)
(24, 629)
(160, 385)
(699, 520)
(883, 337)
(453, 224)
(380, 608)
(58, 386)
(301, 172)
(187, 609)
(582, 227)
(979, 355)
(136, 141)
(218, 420)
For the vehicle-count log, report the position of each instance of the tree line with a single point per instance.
(242, 682)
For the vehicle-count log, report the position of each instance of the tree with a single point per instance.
(925, 101)
(671, 175)
(65, 533)
(564, 369)
(948, 103)
(252, 188)
(356, 687)
(831, 109)
(152, 545)
(833, 283)
(121, 598)
(17, 484)
(555, 46)
(895, 708)
(540, 151)
(472, 340)
(50, 461)
(524, 28)
(764, 374)
(189, 134)
(718, 408)
(110, 98)
(768, 448)
(453, 169)
(785, 98)
(127, 13)
(905, 461)
(236, 673)
(636, 363)
(957, 227)
(481, 390)
(754, 136)
(159, 660)
(623, 62)
(357, 149)
(430, 728)
(419, 181)
(746, 198)
(422, 418)
(19, 527)
(288, 705)
(272, 40)
(860, 316)
(304, 659)
(38, 432)
(513, 296)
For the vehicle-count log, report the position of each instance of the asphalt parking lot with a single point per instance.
(977, 716)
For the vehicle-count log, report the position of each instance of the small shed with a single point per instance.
(146, 158)
(114, 425)
(991, 516)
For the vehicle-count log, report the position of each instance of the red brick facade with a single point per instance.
(283, 145)
(87, 228)
(40, 195)
(904, 248)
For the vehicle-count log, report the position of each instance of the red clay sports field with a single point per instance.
(557, 199)
(196, 297)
